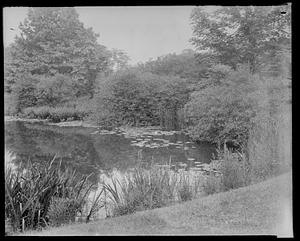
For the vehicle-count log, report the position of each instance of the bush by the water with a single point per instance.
(55, 114)
(38, 195)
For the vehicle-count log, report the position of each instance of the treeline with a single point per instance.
(238, 75)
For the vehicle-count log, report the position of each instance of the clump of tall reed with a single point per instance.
(151, 187)
(142, 189)
(39, 195)
(185, 188)
(234, 168)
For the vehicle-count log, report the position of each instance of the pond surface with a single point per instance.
(90, 150)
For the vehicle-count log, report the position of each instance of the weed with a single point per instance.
(31, 192)
(185, 188)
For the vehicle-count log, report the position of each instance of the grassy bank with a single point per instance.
(41, 194)
(30, 193)
(263, 208)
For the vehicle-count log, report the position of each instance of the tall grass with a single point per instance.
(39, 195)
(234, 168)
(144, 189)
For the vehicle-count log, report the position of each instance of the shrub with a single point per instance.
(55, 114)
(223, 111)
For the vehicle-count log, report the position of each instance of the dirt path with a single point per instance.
(264, 208)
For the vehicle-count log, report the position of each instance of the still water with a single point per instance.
(90, 151)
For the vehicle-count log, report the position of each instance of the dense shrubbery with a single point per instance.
(10, 105)
(224, 112)
(138, 98)
(55, 114)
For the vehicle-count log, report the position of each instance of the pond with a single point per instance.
(90, 150)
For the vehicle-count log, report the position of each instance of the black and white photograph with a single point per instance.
(148, 120)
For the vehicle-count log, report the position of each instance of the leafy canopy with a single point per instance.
(240, 35)
(53, 41)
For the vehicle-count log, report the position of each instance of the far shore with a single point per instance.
(48, 122)
(81, 123)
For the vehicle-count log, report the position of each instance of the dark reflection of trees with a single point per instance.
(90, 153)
(40, 145)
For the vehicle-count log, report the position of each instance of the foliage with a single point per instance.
(30, 191)
(224, 112)
(54, 90)
(235, 170)
(142, 190)
(211, 185)
(240, 35)
(62, 211)
(119, 59)
(53, 43)
(184, 65)
(185, 188)
(55, 114)
(269, 145)
(10, 104)
(138, 98)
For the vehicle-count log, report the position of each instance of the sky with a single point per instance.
(142, 32)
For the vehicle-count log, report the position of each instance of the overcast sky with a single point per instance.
(143, 32)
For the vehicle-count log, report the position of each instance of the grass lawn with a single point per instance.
(264, 208)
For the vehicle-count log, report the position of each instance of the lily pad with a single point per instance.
(191, 159)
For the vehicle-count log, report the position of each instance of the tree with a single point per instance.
(240, 35)
(119, 59)
(53, 41)
(8, 82)
(54, 90)
(182, 65)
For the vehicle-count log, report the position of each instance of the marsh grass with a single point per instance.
(234, 168)
(142, 189)
(40, 195)
(150, 188)
(212, 185)
(185, 188)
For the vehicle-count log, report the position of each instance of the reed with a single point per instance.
(142, 189)
(38, 195)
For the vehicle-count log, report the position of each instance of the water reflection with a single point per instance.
(90, 152)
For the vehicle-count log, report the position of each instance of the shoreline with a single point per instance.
(127, 129)
(250, 210)
(48, 122)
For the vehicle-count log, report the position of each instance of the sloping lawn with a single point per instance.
(264, 208)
